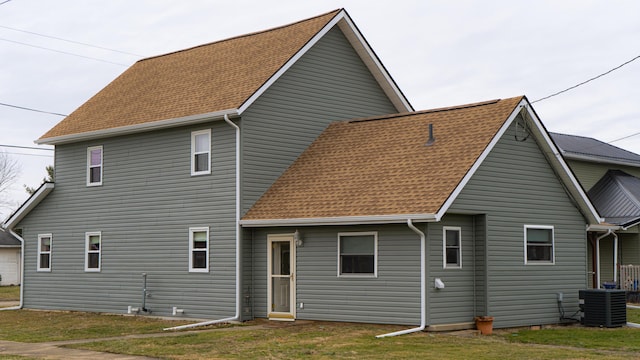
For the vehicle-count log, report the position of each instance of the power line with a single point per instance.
(4, 2)
(25, 147)
(586, 81)
(25, 154)
(70, 41)
(625, 137)
(30, 109)
(62, 52)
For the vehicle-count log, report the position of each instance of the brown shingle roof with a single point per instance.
(204, 79)
(376, 167)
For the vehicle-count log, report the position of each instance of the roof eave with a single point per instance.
(131, 129)
(341, 220)
(598, 159)
(28, 205)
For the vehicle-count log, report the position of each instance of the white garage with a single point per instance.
(9, 259)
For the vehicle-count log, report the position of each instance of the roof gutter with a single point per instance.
(340, 220)
(131, 129)
(423, 292)
(236, 317)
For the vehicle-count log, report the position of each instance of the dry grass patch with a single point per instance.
(10, 293)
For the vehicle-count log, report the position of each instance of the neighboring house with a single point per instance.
(479, 190)
(612, 177)
(178, 193)
(9, 259)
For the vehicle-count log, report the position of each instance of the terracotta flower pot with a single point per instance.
(484, 324)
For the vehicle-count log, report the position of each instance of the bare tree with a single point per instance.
(9, 171)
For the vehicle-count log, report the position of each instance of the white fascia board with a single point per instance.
(341, 220)
(602, 227)
(362, 48)
(560, 166)
(28, 205)
(131, 129)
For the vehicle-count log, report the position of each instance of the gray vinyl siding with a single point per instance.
(456, 302)
(588, 173)
(393, 297)
(144, 209)
(515, 186)
(329, 83)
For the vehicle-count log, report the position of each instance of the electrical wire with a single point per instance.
(587, 81)
(70, 41)
(25, 147)
(4, 2)
(31, 109)
(624, 137)
(41, 155)
(62, 52)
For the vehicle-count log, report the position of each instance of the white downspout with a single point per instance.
(238, 242)
(615, 258)
(609, 232)
(21, 272)
(423, 276)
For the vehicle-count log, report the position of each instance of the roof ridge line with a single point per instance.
(428, 111)
(337, 11)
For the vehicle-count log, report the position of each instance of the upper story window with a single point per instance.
(94, 166)
(93, 251)
(44, 252)
(201, 152)
(357, 254)
(199, 249)
(539, 244)
(452, 247)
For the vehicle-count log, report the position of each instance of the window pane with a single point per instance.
(45, 244)
(357, 264)
(96, 157)
(93, 260)
(452, 256)
(202, 143)
(539, 252)
(202, 162)
(452, 237)
(44, 261)
(364, 244)
(539, 236)
(199, 259)
(94, 242)
(94, 175)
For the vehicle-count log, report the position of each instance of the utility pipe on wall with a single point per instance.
(423, 292)
(238, 242)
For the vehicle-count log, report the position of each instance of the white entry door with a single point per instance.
(281, 283)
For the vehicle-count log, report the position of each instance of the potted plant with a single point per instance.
(484, 324)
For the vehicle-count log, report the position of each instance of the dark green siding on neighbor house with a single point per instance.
(514, 187)
(144, 209)
(589, 173)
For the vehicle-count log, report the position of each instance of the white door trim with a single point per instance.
(271, 313)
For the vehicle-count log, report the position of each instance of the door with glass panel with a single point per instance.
(281, 281)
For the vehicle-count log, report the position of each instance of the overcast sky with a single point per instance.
(441, 53)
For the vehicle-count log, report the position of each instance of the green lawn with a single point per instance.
(9, 293)
(315, 340)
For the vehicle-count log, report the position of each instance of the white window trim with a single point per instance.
(375, 254)
(87, 236)
(40, 252)
(89, 149)
(191, 249)
(444, 246)
(553, 245)
(194, 153)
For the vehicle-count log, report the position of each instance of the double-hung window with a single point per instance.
(539, 244)
(201, 152)
(357, 254)
(199, 249)
(44, 252)
(452, 247)
(93, 251)
(94, 166)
